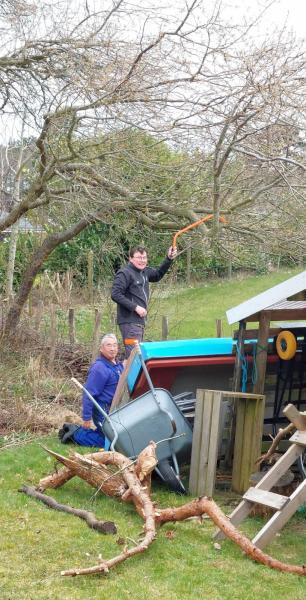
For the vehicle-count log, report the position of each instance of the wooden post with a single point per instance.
(218, 328)
(53, 332)
(38, 314)
(229, 453)
(121, 395)
(261, 351)
(96, 334)
(229, 269)
(188, 265)
(71, 326)
(90, 276)
(165, 328)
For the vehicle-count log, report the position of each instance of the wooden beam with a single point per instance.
(261, 351)
(121, 389)
(281, 314)
(296, 417)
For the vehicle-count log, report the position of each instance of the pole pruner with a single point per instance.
(192, 225)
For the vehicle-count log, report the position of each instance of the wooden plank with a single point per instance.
(121, 388)
(299, 437)
(261, 352)
(280, 518)
(248, 452)
(213, 444)
(252, 334)
(203, 448)
(276, 501)
(296, 417)
(238, 446)
(281, 314)
(196, 441)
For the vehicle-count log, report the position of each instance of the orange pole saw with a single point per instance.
(192, 225)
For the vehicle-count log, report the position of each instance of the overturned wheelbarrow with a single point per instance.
(152, 416)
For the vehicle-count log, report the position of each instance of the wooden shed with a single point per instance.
(285, 302)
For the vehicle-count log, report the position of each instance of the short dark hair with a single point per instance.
(134, 249)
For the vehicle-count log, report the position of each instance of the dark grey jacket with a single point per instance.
(131, 289)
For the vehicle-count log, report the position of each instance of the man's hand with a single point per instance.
(142, 312)
(172, 252)
(88, 424)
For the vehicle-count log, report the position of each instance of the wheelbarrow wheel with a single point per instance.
(169, 476)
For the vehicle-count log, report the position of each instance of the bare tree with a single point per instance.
(186, 78)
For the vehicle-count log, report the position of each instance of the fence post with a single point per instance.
(53, 328)
(90, 276)
(165, 328)
(96, 333)
(229, 268)
(188, 265)
(71, 326)
(218, 328)
(38, 314)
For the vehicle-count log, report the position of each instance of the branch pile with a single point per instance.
(114, 475)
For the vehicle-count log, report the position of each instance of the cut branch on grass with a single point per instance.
(93, 468)
(87, 516)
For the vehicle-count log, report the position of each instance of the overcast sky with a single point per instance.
(289, 13)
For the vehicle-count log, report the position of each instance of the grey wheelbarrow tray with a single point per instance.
(154, 416)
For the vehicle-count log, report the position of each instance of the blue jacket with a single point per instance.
(101, 383)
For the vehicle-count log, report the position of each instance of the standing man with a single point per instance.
(102, 381)
(131, 292)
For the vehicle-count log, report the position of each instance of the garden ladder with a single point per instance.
(285, 506)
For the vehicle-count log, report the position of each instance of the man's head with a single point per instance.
(138, 257)
(109, 346)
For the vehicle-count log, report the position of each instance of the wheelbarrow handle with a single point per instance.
(99, 408)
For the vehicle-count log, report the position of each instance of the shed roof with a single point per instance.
(274, 298)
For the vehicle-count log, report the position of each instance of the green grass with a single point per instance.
(191, 312)
(37, 543)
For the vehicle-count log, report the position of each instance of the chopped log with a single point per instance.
(55, 480)
(93, 468)
(141, 498)
(87, 516)
(93, 472)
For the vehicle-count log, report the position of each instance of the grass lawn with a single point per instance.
(37, 543)
(192, 311)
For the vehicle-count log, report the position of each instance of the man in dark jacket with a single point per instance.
(131, 292)
(102, 381)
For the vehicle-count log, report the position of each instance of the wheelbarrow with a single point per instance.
(152, 416)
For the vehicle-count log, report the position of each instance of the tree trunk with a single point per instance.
(34, 266)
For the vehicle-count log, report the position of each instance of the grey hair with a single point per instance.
(108, 335)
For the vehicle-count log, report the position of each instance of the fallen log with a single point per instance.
(87, 516)
(130, 482)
